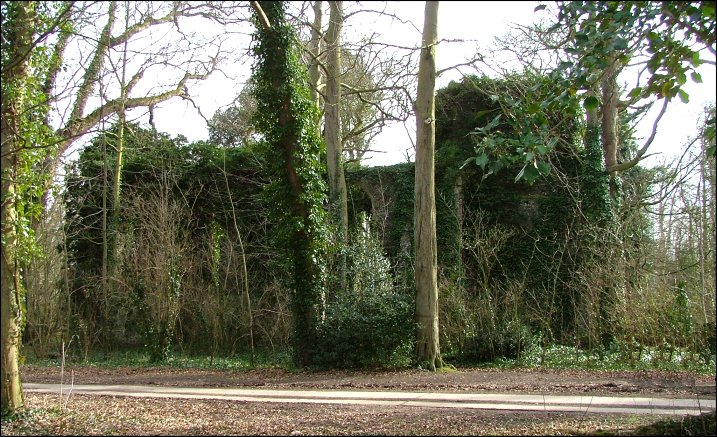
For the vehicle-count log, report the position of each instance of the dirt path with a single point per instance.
(393, 398)
(83, 414)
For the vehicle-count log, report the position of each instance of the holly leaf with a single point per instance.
(528, 173)
(543, 168)
(636, 92)
(683, 96)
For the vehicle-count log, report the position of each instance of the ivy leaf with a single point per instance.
(539, 8)
(479, 114)
(531, 174)
(711, 151)
(696, 77)
(591, 103)
(564, 65)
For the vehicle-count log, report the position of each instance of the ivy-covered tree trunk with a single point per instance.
(427, 341)
(286, 116)
(14, 77)
(597, 206)
(334, 151)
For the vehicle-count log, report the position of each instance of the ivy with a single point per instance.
(33, 140)
(286, 117)
(594, 180)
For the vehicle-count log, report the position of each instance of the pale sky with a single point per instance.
(477, 22)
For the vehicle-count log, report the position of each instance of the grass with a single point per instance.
(141, 359)
(551, 357)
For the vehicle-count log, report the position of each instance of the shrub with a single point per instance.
(370, 330)
(372, 325)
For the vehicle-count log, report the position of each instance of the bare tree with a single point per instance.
(158, 38)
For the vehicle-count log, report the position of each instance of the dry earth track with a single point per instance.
(109, 415)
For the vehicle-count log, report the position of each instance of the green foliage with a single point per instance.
(374, 329)
(141, 358)
(392, 188)
(372, 324)
(286, 118)
(185, 174)
(27, 142)
(520, 125)
(509, 339)
(664, 33)
(34, 141)
(159, 342)
(615, 358)
(594, 180)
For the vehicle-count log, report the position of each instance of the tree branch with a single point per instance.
(262, 16)
(639, 155)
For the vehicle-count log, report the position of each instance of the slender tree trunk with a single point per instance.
(427, 341)
(315, 50)
(332, 135)
(105, 239)
(114, 221)
(20, 19)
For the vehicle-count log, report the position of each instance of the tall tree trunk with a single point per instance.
(427, 341)
(315, 53)
(117, 176)
(608, 108)
(20, 18)
(332, 135)
(609, 112)
(287, 118)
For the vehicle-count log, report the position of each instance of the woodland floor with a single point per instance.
(117, 415)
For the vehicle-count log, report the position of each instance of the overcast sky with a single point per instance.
(478, 23)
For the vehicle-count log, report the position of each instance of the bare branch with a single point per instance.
(639, 155)
(260, 12)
